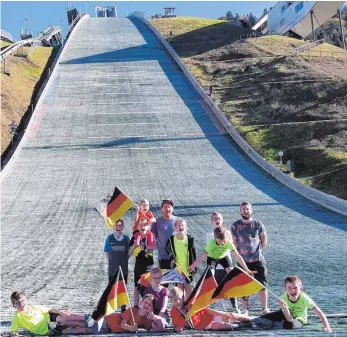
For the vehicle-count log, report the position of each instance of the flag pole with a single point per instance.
(205, 272)
(126, 290)
(137, 207)
(272, 293)
(181, 270)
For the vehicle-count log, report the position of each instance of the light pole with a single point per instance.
(281, 157)
(62, 35)
(26, 26)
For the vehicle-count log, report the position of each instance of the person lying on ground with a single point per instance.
(206, 319)
(129, 321)
(39, 319)
(294, 306)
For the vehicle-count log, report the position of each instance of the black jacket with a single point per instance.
(171, 250)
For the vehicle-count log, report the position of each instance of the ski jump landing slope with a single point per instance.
(118, 112)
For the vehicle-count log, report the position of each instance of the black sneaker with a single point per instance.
(55, 332)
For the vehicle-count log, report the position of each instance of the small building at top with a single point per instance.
(169, 12)
(105, 11)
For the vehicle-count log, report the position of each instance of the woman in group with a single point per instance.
(131, 320)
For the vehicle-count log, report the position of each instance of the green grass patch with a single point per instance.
(182, 25)
(280, 68)
(263, 141)
(40, 55)
(199, 74)
(5, 44)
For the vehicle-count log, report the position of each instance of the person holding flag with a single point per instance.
(117, 251)
(161, 295)
(130, 321)
(205, 319)
(104, 319)
(182, 253)
(136, 318)
(143, 212)
(220, 273)
(249, 237)
(144, 261)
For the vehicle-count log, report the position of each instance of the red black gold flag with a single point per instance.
(201, 295)
(236, 284)
(116, 207)
(113, 297)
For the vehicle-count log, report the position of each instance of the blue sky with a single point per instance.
(41, 14)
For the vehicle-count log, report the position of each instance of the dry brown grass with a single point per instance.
(296, 104)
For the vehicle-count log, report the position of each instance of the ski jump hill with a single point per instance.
(118, 111)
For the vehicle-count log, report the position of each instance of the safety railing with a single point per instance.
(13, 47)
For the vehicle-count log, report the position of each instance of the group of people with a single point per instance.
(175, 248)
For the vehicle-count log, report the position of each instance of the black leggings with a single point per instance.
(278, 316)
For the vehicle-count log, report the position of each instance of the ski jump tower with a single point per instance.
(297, 18)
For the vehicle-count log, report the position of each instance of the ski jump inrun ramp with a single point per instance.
(118, 111)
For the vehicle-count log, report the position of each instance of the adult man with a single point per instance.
(249, 238)
(163, 228)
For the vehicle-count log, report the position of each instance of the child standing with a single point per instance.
(143, 256)
(161, 295)
(294, 305)
(181, 250)
(143, 212)
(217, 251)
(117, 250)
(220, 273)
(206, 319)
(39, 319)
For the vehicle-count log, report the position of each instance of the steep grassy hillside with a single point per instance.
(4, 44)
(19, 87)
(279, 98)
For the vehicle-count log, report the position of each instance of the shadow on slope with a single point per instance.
(201, 40)
(225, 146)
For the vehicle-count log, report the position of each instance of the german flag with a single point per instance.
(201, 295)
(116, 207)
(236, 284)
(113, 297)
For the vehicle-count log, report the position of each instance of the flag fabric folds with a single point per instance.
(114, 207)
(169, 276)
(173, 276)
(236, 284)
(201, 295)
(113, 297)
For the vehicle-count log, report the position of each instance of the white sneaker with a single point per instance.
(296, 324)
(88, 321)
(266, 311)
(245, 312)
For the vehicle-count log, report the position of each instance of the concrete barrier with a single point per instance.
(329, 201)
(42, 93)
